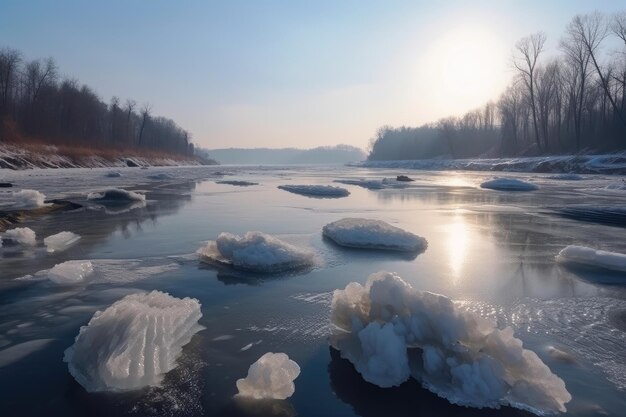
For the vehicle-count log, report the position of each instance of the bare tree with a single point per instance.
(145, 116)
(130, 106)
(9, 62)
(525, 61)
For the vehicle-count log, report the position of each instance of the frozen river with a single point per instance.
(491, 251)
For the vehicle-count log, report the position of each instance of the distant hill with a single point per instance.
(339, 154)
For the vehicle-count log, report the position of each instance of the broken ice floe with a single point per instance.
(60, 241)
(270, 377)
(256, 251)
(319, 191)
(113, 174)
(114, 196)
(134, 342)
(391, 332)
(20, 236)
(592, 258)
(373, 234)
(28, 199)
(70, 272)
(237, 183)
(509, 184)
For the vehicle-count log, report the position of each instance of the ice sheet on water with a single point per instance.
(114, 196)
(134, 342)
(70, 272)
(509, 184)
(60, 241)
(256, 251)
(391, 332)
(161, 176)
(373, 234)
(616, 186)
(270, 377)
(28, 199)
(375, 184)
(592, 258)
(113, 174)
(566, 177)
(320, 191)
(20, 235)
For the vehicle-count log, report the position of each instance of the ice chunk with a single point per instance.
(322, 191)
(134, 342)
(589, 257)
(112, 174)
(376, 184)
(509, 184)
(21, 235)
(392, 332)
(566, 177)
(60, 241)
(116, 196)
(70, 272)
(160, 176)
(617, 186)
(237, 183)
(270, 377)
(29, 199)
(256, 251)
(373, 234)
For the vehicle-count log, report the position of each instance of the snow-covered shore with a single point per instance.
(582, 164)
(16, 158)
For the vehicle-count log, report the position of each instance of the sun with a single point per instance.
(467, 67)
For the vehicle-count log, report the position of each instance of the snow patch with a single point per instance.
(60, 241)
(270, 377)
(134, 342)
(29, 199)
(391, 332)
(373, 234)
(508, 184)
(256, 251)
(589, 257)
(324, 191)
(21, 235)
(70, 272)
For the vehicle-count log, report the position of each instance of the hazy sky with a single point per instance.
(288, 73)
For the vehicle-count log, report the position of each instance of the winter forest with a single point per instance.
(571, 102)
(38, 105)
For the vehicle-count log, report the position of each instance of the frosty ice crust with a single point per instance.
(270, 377)
(70, 272)
(29, 199)
(509, 184)
(256, 251)
(21, 235)
(60, 241)
(320, 191)
(134, 342)
(391, 332)
(592, 258)
(373, 234)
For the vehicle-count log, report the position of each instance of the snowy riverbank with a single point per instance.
(16, 157)
(581, 164)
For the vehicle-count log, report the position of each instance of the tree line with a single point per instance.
(37, 104)
(572, 102)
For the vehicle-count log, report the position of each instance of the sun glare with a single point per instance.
(457, 246)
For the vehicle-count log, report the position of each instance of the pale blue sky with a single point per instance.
(287, 73)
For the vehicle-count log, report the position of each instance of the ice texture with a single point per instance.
(70, 272)
(60, 241)
(134, 342)
(256, 251)
(29, 199)
(509, 184)
(116, 196)
(589, 257)
(390, 332)
(373, 234)
(325, 191)
(21, 235)
(270, 377)
(616, 186)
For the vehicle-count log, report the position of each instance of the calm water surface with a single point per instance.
(492, 251)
